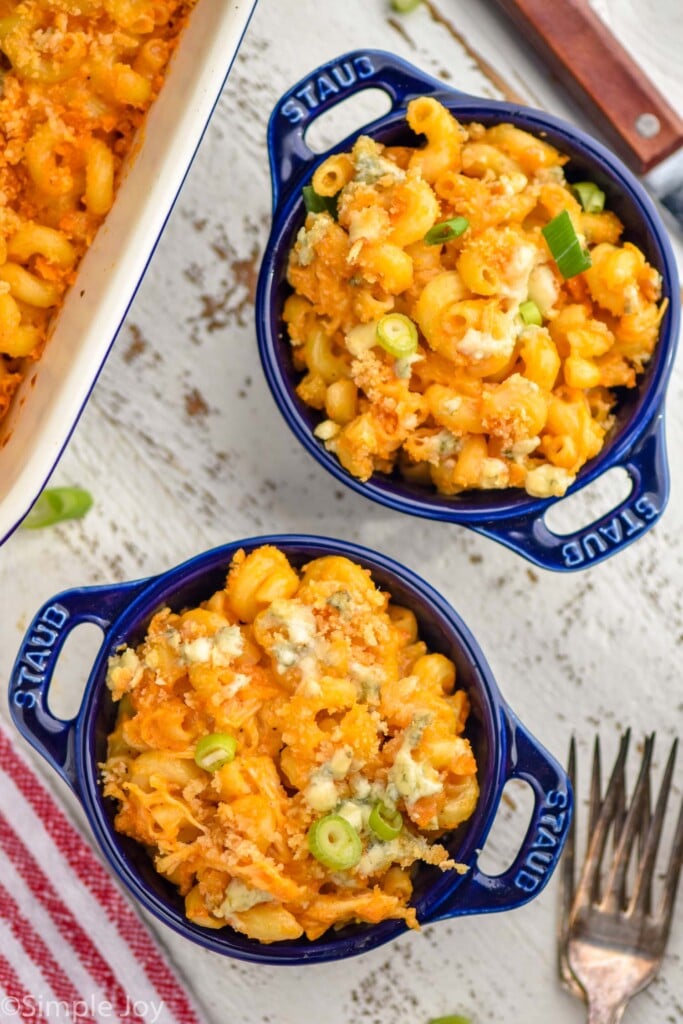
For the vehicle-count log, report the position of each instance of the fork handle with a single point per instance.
(603, 1014)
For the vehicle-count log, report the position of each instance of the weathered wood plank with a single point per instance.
(183, 448)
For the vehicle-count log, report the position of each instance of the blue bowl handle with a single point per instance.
(330, 84)
(542, 845)
(35, 664)
(646, 464)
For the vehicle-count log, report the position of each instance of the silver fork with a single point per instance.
(611, 940)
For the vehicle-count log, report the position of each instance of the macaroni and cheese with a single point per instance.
(289, 749)
(78, 78)
(507, 369)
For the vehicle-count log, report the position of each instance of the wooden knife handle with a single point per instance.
(602, 76)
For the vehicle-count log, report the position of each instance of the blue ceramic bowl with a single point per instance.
(637, 441)
(503, 748)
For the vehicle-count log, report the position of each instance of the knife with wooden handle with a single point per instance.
(602, 76)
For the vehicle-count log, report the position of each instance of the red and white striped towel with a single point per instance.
(72, 950)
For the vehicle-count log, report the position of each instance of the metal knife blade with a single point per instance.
(665, 182)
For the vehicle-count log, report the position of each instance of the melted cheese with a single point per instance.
(494, 474)
(516, 284)
(548, 481)
(218, 650)
(240, 897)
(413, 779)
(321, 793)
(479, 345)
(308, 237)
(124, 671)
(371, 165)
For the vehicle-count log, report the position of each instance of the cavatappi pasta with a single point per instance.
(486, 399)
(292, 711)
(77, 80)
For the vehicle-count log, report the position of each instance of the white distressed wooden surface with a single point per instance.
(183, 449)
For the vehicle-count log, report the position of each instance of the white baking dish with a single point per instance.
(56, 388)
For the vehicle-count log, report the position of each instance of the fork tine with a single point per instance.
(596, 786)
(594, 802)
(619, 822)
(615, 885)
(589, 882)
(619, 816)
(673, 873)
(643, 884)
(643, 836)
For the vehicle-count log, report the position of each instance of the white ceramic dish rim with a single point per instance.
(56, 389)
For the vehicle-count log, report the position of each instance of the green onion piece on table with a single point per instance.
(530, 313)
(334, 842)
(315, 203)
(397, 334)
(565, 246)
(404, 6)
(591, 197)
(213, 751)
(446, 231)
(453, 1019)
(386, 824)
(57, 504)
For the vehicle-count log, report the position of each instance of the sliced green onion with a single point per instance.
(213, 751)
(334, 842)
(315, 203)
(386, 824)
(446, 231)
(55, 505)
(404, 6)
(591, 197)
(530, 313)
(453, 1019)
(565, 246)
(126, 706)
(397, 334)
